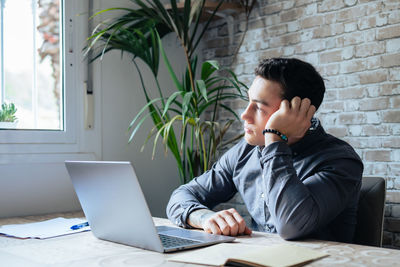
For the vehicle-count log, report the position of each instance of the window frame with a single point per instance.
(21, 144)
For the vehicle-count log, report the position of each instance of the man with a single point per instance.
(294, 178)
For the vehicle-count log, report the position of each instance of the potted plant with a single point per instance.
(179, 119)
(7, 116)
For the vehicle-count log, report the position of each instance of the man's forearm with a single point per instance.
(197, 217)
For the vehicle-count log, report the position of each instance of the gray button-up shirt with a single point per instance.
(310, 188)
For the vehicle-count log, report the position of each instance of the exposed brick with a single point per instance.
(271, 9)
(350, 39)
(328, 107)
(271, 53)
(394, 169)
(351, 13)
(351, 118)
(393, 196)
(355, 130)
(391, 116)
(388, 210)
(288, 51)
(329, 69)
(375, 130)
(373, 117)
(365, 50)
(377, 155)
(373, 76)
(394, 74)
(353, 66)
(395, 102)
(293, 26)
(310, 46)
(374, 103)
(394, 17)
(312, 21)
(393, 46)
(311, 9)
(304, 2)
(351, 93)
(328, 30)
(369, 22)
(350, 27)
(362, 142)
(391, 142)
(288, 4)
(338, 131)
(388, 32)
(350, 2)
(375, 168)
(291, 14)
(387, 238)
(330, 18)
(395, 129)
(277, 30)
(391, 60)
(392, 224)
(330, 5)
(337, 55)
(273, 19)
(351, 105)
(218, 42)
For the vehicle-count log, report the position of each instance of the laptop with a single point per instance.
(115, 207)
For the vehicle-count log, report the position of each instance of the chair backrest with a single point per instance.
(371, 210)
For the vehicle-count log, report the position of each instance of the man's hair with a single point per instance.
(297, 78)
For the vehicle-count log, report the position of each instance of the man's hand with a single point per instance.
(292, 119)
(225, 222)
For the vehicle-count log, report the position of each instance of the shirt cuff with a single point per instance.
(275, 149)
(183, 223)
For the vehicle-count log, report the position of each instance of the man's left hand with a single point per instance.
(292, 119)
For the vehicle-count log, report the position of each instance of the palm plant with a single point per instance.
(180, 119)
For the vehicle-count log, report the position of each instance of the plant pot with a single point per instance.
(8, 125)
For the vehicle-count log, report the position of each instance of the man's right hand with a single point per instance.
(224, 222)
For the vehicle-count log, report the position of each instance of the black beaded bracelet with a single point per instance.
(281, 135)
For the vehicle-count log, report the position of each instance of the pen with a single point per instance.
(79, 226)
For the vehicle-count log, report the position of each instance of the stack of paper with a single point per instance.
(41, 230)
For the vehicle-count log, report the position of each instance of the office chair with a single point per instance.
(371, 207)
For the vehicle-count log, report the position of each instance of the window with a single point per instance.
(43, 72)
(31, 63)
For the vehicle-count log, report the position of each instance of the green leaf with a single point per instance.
(202, 88)
(186, 101)
(169, 101)
(208, 68)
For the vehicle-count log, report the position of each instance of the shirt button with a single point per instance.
(262, 195)
(295, 153)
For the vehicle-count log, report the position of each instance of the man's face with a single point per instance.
(265, 97)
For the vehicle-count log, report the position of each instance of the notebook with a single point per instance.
(115, 207)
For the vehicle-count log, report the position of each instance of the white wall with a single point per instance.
(122, 99)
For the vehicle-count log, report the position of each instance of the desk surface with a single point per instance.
(83, 249)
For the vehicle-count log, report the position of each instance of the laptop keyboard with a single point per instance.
(173, 241)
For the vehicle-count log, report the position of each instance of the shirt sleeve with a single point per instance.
(298, 208)
(204, 192)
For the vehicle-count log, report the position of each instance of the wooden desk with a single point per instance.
(83, 249)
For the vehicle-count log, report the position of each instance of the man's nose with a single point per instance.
(245, 115)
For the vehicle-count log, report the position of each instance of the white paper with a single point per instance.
(45, 229)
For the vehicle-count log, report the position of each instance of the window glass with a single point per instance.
(31, 73)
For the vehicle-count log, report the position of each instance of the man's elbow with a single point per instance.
(291, 231)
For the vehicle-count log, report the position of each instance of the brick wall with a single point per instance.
(355, 45)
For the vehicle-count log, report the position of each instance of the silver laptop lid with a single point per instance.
(113, 203)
